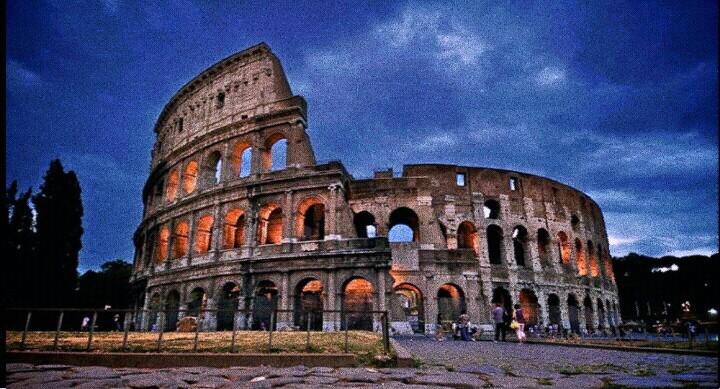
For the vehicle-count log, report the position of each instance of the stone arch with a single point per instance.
(554, 311)
(196, 302)
(573, 313)
(203, 234)
(162, 246)
(213, 168)
(601, 314)
(154, 306)
(580, 257)
(272, 158)
(411, 302)
(241, 158)
(564, 248)
(270, 224)
(491, 209)
(592, 259)
(181, 239)
(171, 186)
(450, 302)
(502, 296)
(308, 304)
(234, 229)
(520, 238)
(467, 237)
(496, 249)
(357, 304)
(172, 310)
(365, 225)
(589, 314)
(543, 246)
(227, 305)
(190, 176)
(264, 304)
(403, 216)
(310, 219)
(529, 303)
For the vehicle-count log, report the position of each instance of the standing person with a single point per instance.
(85, 323)
(116, 320)
(499, 318)
(464, 326)
(519, 317)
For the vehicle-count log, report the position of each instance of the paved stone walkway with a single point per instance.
(446, 364)
(532, 365)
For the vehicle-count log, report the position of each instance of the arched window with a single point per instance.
(491, 209)
(203, 234)
(190, 176)
(180, 247)
(275, 155)
(573, 313)
(529, 303)
(227, 304)
(172, 308)
(404, 226)
(308, 304)
(162, 247)
(574, 222)
(357, 300)
(495, 244)
(467, 237)
(554, 312)
(451, 303)
(234, 229)
(564, 248)
(592, 259)
(543, 245)
(264, 304)
(589, 315)
(580, 258)
(198, 300)
(213, 168)
(172, 185)
(364, 224)
(241, 159)
(270, 224)
(310, 222)
(519, 237)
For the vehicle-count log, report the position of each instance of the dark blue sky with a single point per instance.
(616, 99)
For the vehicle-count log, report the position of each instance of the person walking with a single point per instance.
(499, 318)
(519, 318)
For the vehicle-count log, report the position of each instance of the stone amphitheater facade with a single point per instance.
(225, 227)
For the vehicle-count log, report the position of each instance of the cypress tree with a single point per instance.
(59, 231)
(20, 248)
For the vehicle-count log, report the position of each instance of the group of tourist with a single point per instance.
(513, 319)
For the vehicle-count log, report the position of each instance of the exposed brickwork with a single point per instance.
(206, 224)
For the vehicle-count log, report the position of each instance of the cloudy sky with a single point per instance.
(616, 99)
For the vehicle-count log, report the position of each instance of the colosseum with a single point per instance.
(238, 214)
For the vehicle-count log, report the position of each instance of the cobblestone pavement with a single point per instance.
(446, 364)
(518, 365)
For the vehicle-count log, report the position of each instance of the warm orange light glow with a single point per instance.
(234, 229)
(580, 259)
(162, 247)
(467, 237)
(203, 234)
(565, 249)
(310, 220)
(594, 268)
(190, 177)
(270, 224)
(172, 185)
(237, 156)
(180, 247)
(529, 304)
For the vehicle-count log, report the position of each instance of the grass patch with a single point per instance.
(417, 362)
(545, 381)
(643, 372)
(508, 371)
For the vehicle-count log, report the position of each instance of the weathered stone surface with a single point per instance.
(358, 375)
(320, 380)
(454, 379)
(18, 367)
(480, 369)
(94, 372)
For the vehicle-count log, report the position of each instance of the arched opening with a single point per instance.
(404, 226)
(491, 209)
(265, 303)
(610, 320)
(609, 272)
(573, 313)
(270, 224)
(275, 155)
(451, 303)
(502, 296)
(172, 308)
(364, 224)
(580, 257)
(172, 185)
(589, 315)
(574, 222)
(309, 304)
(154, 306)
(564, 248)
(310, 221)
(601, 315)
(180, 246)
(203, 234)
(162, 247)
(241, 158)
(543, 246)
(190, 176)
(198, 301)
(529, 303)
(411, 302)
(592, 259)
(467, 237)
(213, 168)
(554, 314)
(357, 304)
(234, 229)
(519, 237)
(227, 304)
(495, 244)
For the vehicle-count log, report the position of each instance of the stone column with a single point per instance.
(251, 221)
(216, 232)
(258, 149)
(331, 321)
(289, 216)
(284, 318)
(191, 239)
(170, 246)
(331, 227)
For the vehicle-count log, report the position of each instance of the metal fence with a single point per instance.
(162, 321)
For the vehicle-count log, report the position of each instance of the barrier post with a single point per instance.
(126, 328)
(92, 331)
(234, 333)
(386, 332)
(272, 324)
(25, 331)
(307, 341)
(197, 330)
(162, 328)
(346, 333)
(57, 330)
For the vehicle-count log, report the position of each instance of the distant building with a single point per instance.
(238, 214)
